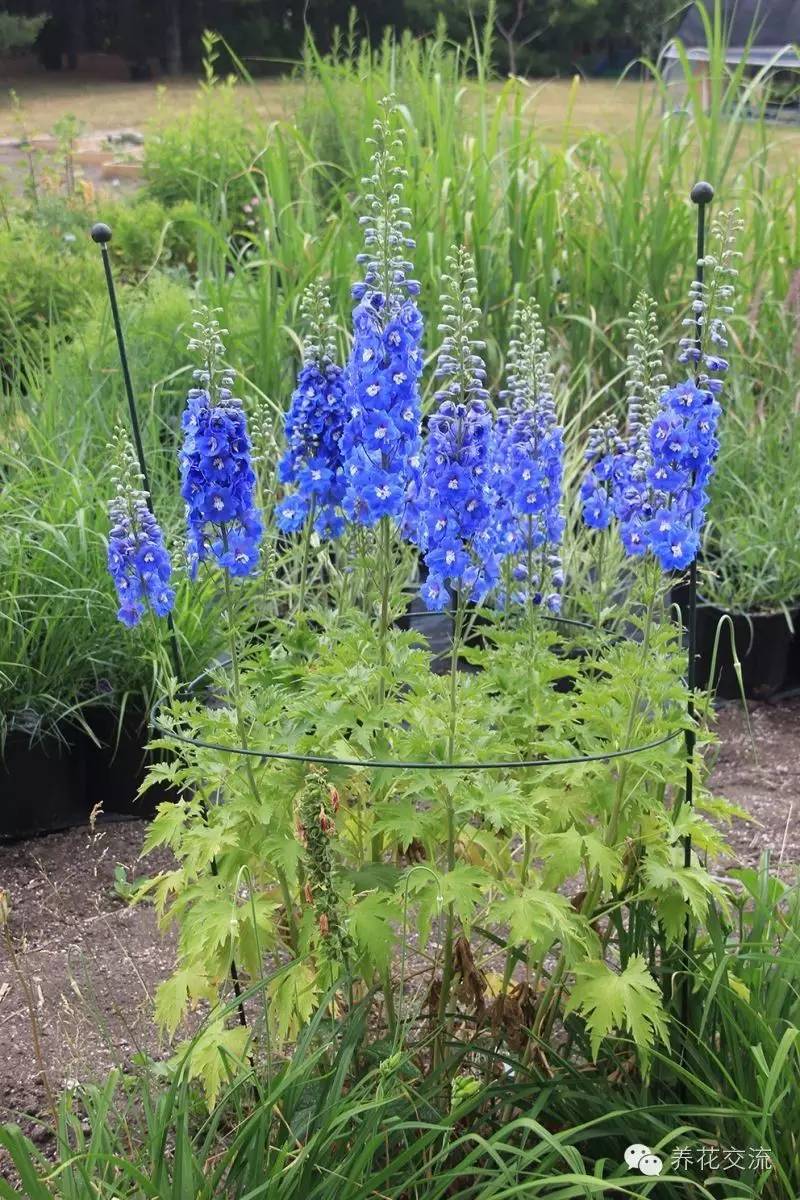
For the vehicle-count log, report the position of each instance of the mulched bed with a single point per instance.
(93, 963)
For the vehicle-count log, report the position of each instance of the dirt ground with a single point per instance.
(92, 963)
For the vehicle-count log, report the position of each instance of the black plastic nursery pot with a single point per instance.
(55, 782)
(115, 769)
(42, 784)
(763, 643)
(792, 680)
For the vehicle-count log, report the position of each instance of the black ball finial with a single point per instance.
(101, 233)
(702, 193)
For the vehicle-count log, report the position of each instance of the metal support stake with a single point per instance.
(701, 195)
(101, 235)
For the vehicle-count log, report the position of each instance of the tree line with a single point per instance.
(533, 37)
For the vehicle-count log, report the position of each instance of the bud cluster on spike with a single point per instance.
(529, 378)
(312, 464)
(217, 478)
(633, 458)
(646, 378)
(381, 440)
(138, 561)
(527, 468)
(711, 305)
(386, 223)
(455, 501)
(316, 828)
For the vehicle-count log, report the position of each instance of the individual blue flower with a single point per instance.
(381, 440)
(138, 561)
(672, 539)
(217, 477)
(603, 446)
(455, 500)
(312, 467)
(527, 468)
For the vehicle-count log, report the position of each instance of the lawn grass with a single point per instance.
(561, 108)
(102, 104)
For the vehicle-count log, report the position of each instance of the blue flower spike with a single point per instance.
(217, 477)
(528, 466)
(381, 443)
(311, 467)
(456, 501)
(138, 561)
(655, 481)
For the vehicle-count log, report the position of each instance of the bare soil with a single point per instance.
(85, 963)
(765, 784)
(90, 963)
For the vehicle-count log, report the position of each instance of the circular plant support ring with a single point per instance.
(376, 764)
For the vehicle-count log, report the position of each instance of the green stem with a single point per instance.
(549, 1006)
(386, 583)
(526, 858)
(447, 967)
(601, 546)
(529, 611)
(307, 531)
(385, 553)
(244, 741)
(652, 597)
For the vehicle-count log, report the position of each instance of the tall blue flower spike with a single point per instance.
(381, 441)
(683, 435)
(455, 502)
(603, 446)
(138, 561)
(312, 466)
(217, 477)
(629, 462)
(661, 477)
(527, 466)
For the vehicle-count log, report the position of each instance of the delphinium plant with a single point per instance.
(484, 853)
